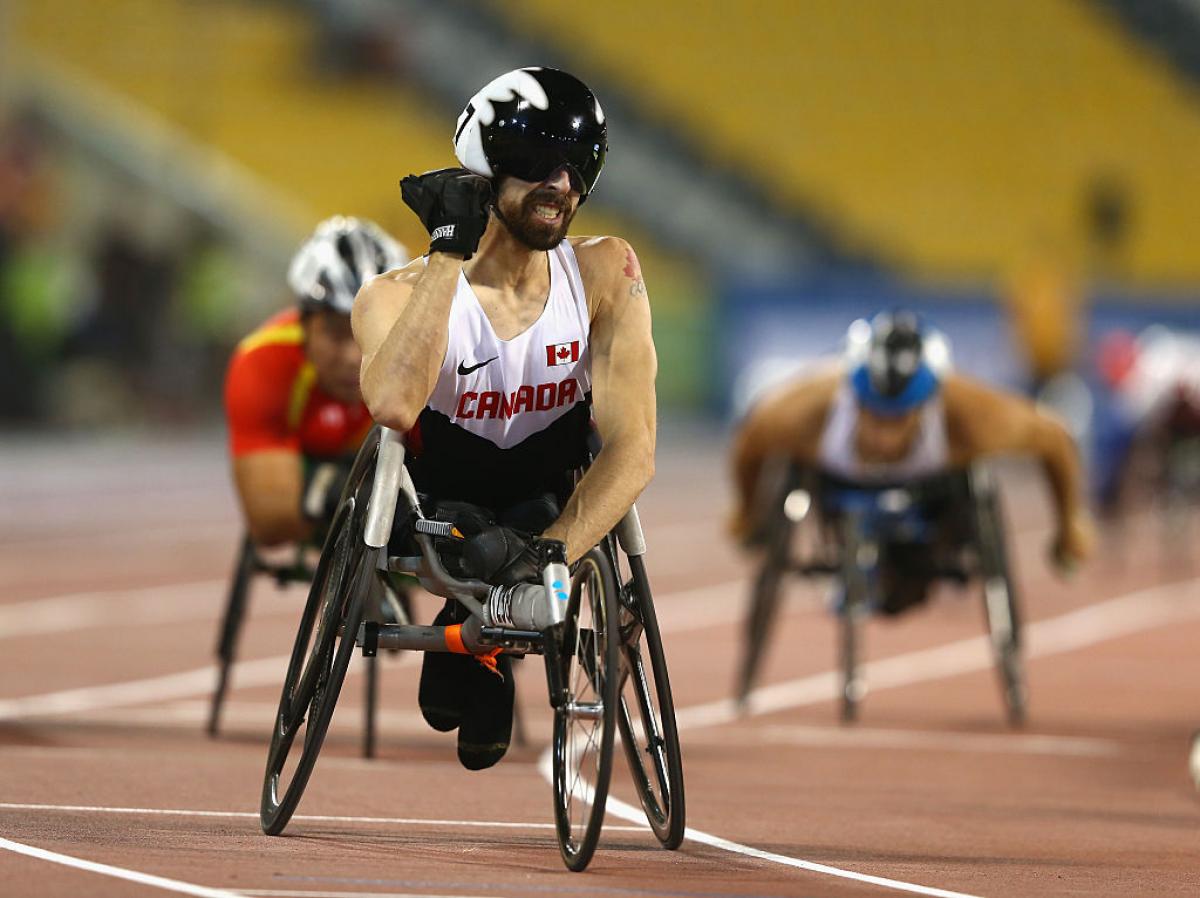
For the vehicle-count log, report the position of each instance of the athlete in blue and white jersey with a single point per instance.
(894, 413)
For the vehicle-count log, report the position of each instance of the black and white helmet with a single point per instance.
(531, 122)
(337, 259)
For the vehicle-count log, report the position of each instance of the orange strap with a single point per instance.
(454, 640)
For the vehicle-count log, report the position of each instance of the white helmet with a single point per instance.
(340, 256)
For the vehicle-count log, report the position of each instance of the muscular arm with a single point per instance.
(269, 485)
(623, 367)
(983, 421)
(786, 424)
(401, 324)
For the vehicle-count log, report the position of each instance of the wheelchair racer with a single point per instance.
(496, 351)
(292, 401)
(894, 415)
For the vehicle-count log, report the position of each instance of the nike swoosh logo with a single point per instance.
(463, 369)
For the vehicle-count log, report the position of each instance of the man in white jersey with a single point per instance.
(894, 414)
(497, 351)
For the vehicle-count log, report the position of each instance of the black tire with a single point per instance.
(1001, 609)
(764, 603)
(318, 664)
(231, 629)
(647, 687)
(590, 667)
(856, 587)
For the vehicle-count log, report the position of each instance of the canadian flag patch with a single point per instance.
(562, 353)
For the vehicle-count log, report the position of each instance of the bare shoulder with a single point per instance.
(599, 256)
(802, 403)
(387, 291)
(397, 282)
(982, 419)
(974, 400)
(610, 270)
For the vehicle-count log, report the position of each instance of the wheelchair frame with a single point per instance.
(848, 547)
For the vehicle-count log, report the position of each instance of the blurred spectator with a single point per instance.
(1045, 303)
(31, 277)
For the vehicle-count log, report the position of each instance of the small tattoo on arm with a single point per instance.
(633, 271)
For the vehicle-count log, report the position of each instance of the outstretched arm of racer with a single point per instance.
(989, 422)
(401, 323)
(269, 485)
(623, 401)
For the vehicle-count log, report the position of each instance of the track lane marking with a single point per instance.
(919, 740)
(1144, 609)
(618, 808)
(309, 818)
(146, 879)
(192, 600)
(267, 671)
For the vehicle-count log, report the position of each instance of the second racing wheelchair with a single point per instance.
(593, 622)
(884, 545)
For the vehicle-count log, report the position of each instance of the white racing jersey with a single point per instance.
(837, 454)
(509, 418)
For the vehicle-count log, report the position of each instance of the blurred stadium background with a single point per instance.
(1026, 170)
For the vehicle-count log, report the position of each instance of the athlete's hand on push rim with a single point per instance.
(1072, 544)
(453, 205)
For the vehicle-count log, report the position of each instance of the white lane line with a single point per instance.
(119, 534)
(714, 600)
(310, 818)
(618, 808)
(917, 740)
(135, 692)
(188, 714)
(1146, 609)
(146, 879)
(113, 608)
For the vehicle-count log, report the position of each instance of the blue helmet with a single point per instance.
(896, 363)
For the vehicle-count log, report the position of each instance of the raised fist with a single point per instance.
(453, 205)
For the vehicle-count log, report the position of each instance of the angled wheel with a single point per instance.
(231, 628)
(856, 585)
(320, 657)
(764, 603)
(1000, 601)
(584, 723)
(646, 713)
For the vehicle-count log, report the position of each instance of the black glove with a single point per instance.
(502, 556)
(453, 205)
(323, 485)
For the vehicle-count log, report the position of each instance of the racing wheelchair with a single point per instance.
(594, 624)
(868, 538)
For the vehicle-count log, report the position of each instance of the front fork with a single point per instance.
(556, 580)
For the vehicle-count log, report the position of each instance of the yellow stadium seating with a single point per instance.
(944, 134)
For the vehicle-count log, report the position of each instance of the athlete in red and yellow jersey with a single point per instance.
(292, 401)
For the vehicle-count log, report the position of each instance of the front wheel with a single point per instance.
(857, 561)
(652, 743)
(1000, 602)
(320, 657)
(589, 668)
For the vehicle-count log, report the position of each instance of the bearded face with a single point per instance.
(538, 215)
